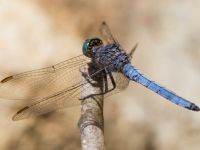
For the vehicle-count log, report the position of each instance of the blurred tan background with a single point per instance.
(39, 33)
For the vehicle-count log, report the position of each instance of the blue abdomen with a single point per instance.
(133, 74)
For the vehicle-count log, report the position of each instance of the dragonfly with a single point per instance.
(61, 85)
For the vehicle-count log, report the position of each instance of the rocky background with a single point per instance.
(39, 33)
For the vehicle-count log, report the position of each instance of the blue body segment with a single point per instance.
(133, 74)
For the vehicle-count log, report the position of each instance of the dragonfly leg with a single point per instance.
(112, 81)
(105, 85)
(87, 77)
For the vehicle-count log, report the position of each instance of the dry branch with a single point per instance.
(91, 122)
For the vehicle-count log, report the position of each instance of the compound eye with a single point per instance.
(86, 48)
(89, 44)
(95, 42)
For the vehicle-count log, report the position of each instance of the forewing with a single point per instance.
(65, 98)
(107, 34)
(41, 83)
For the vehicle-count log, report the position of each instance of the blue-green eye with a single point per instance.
(85, 47)
(89, 44)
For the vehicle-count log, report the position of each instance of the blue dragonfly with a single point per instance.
(62, 85)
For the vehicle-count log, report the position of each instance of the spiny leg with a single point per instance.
(87, 77)
(112, 81)
(96, 85)
(105, 85)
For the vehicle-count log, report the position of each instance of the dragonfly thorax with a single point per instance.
(89, 44)
(111, 56)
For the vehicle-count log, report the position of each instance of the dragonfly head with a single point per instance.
(89, 44)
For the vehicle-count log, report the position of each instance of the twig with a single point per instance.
(91, 122)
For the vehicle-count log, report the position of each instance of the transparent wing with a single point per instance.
(121, 81)
(66, 98)
(107, 34)
(43, 82)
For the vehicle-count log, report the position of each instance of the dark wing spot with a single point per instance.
(7, 79)
(16, 117)
(23, 109)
